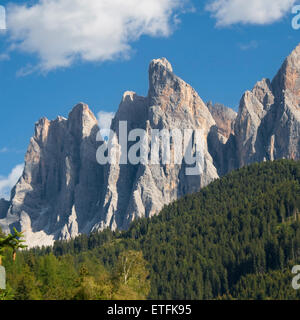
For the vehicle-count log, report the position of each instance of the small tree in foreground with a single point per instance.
(13, 241)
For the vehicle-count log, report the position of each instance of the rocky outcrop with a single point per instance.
(58, 192)
(141, 190)
(220, 133)
(224, 118)
(254, 106)
(64, 191)
(267, 126)
(284, 139)
(4, 205)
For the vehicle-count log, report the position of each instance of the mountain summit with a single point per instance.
(64, 191)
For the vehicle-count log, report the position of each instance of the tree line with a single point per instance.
(238, 238)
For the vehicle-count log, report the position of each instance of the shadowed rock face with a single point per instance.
(284, 141)
(4, 205)
(224, 118)
(134, 191)
(220, 135)
(58, 192)
(267, 126)
(64, 191)
(254, 106)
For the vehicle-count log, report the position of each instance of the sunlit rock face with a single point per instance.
(267, 126)
(134, 191)
(57, 195)
(64, 191)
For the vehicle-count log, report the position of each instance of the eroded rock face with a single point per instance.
(57, 194)
(224, 118)
(64, 191)
(254, 106)
(267, 126)
(219, 135)
(284, 141)
(134, 191)
(4, 205)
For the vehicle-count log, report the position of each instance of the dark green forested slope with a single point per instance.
(237, 238)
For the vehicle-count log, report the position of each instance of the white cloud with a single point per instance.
(247, 46)
(4, 150)
(104, 121)
(7, 183)
(60, 32)
(228, 12)
(4, 57)
(2, 18)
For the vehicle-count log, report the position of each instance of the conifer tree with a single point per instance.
(13, 241)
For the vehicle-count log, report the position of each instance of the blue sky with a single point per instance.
(221, 53)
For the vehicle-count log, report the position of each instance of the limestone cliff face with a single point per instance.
(225, 120)
(57, 194)
(267, 126)
(254, 106)
(64, 191)
(284, 141)
(220, 136)
(4, 205)
(141, 190)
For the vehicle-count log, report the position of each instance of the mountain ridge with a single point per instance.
(64, 191)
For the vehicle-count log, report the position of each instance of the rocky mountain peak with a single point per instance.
(263, 92)
(62, 180)
(81, 112)
(287, 80)
(80, 109)
(64, 191)
(128, 96)
(131, 109)
(41, 129)
(161, 76)
(161, 63)
(224, 118)
(81, 121)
